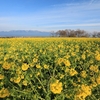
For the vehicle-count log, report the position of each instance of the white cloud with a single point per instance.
(91, 1)
(63, 15)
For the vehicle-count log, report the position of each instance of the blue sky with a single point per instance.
(49, 15)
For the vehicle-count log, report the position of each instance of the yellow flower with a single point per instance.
(46, 66)
(73, 54)
(67, 56)
(39, 87)
(11, 79)
(67, 63)
(38, 74)
(61, 76)
(94, 84)
(74, 84)
(72, 72)
(35, 60)
(25, 83)
(60, 60)
(56, 87)
(97, 57)
(94, 68)
(67, 70)
(5, 58)
(83, 56)
(18, 71)
(38, 66)
(1, 76)
(83, 92)
(2, 83)
(4, 93)
(25, 67)
(97, 52)
(6, 65)
(22, 76)
(86, 89)
(31, 75)
(17, 80)
(83, 74)
(98, 80)
(76, 46)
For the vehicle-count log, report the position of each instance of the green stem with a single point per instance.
(39, 82)
(54, 71)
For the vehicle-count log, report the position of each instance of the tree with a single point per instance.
(67, 32)
(52, 33)
(61, 33)
(74, 33)
(80, 33)
(94, 34)
(98, 34)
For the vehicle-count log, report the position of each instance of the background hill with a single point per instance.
(24, 33)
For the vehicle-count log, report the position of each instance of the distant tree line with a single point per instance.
(74, 33)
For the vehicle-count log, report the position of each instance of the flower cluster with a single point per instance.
(50, 68)
(83, 92)
(4, 93)
(56, 87)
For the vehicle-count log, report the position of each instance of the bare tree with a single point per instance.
(94, 34)
(74, 33)
(61, 33)
(52, 33)
(98, 34)
(80, 33)
(67, 32)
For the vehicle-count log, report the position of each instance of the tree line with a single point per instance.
(74, 33)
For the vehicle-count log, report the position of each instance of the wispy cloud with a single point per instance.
(91, 1)
(60, 16)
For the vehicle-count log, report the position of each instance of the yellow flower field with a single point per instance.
(49, 68)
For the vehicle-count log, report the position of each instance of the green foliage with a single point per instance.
(49, 69)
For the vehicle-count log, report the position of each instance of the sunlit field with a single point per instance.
(50, 68)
